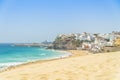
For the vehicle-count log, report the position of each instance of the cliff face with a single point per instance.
(87, 41)
(66, 42)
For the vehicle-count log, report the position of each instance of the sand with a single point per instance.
(81, 66)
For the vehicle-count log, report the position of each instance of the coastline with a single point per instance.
(70, 53)
(78, 66)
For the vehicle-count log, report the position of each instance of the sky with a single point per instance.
(29, 21)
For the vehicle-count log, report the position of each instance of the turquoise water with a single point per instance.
(14, 55)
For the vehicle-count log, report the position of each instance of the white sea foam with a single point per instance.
(10, 63)
(42, 54)
(6, 65)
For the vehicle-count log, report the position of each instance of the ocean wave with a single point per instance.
(42, 54)
(10, 64)
(4, 66)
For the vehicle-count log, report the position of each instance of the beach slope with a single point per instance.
(102, 66)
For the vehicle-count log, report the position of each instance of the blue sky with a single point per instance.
(39, 20)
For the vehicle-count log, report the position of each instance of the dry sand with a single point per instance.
(102, 66)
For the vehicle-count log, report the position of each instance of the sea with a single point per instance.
(15, 55)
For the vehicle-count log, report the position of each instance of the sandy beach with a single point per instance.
(81, 66)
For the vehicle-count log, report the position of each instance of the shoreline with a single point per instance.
(71, 53)
(38, 61)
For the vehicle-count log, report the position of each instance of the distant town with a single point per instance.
(93, 42)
